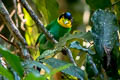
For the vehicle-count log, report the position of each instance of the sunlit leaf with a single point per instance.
(31, 33)
(13, 60)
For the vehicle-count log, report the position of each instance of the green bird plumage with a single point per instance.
(58, 28)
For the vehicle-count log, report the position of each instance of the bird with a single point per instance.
(58, 28)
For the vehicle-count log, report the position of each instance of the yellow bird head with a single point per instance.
(65, 20)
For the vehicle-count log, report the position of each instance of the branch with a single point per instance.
(5, 39)
(69, 53)
(4, 14)
(44, 30)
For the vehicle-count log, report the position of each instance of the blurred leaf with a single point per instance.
(77, 45)
(72, 70)
(48, 8)
(46, 53)
(13, 60)
(31, 64)
(117, 8)
(32, 76)
(52, 8)
(104, 30)
(99, 4)
(6, 73)
(62, 41)
(42, 8)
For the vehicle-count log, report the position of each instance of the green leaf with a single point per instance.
(47, 8)
(32, 76)
(98, 4)
(52, 8)
(62, 41)
(6, 73)
(91, 67)
(104, 31)
(76, 45)
(46, 53)
(13, 60)
(116, 8)
(72, 70)
(55, 70)
(31, 64)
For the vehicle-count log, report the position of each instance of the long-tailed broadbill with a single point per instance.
(58, 28)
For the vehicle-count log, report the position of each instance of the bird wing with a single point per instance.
(48, 27)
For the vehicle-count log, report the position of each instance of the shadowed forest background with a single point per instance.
(91, 51)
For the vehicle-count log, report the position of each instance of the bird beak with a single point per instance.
(65, 21)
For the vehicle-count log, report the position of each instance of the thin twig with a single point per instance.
(5, 39)
(12, 13)
(21, 16)
(1, 27)
(15, 7)
(69, 53)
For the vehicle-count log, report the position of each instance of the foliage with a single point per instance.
(97, 4)
(96, 51)
(6, 73)
(13, 60)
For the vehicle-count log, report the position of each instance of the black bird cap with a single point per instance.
(67, 15)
